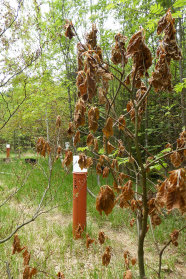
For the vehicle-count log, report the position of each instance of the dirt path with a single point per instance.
(50, 240)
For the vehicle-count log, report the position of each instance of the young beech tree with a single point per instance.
(94, 75)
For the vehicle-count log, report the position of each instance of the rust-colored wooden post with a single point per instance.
(7, 150)
(79, 198)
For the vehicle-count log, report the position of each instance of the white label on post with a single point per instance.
(8, 146)
(67, 145)
(76, 167)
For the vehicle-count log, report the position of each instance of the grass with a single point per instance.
(49, 238)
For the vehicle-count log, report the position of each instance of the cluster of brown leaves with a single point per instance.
(68, 158)
(127, 274)
(89, 241)
(128, 259)
(126, 195)
(70, 130)
(60, 275)
(84, 161)
(121, 123)
(79, 231)
(174, 236)
(121, 177)
(108, 129)
(58, 121)
(172, 192)
(106, 256)
(16, 245)
(79, 113)
(143, 102)
(91, 37)
(101, 237)
(136, 204)
(59, 149)
(90, 139)
(154, 212)
(76, 138)
(178, 156)
(69, 29)
(121, 148)
(43, 146)
(91, 68)
(102, 96)
(108, 147)
(28, 271)
(105, 200)
(119, 51)
(167, 50)
(141, 55)
(93, 116)
(105, 172)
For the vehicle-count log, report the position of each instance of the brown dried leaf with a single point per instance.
(105, 172)
(101, 237)
(68, 158)
(126, 194)
(70, 130)
(59, 150)
(90, 139)
(132, 221)
(172, 192)
(93, 116)
(26, 272)
(108, 129)
(16, 245)
(58, 121)
(106, 256)
(109, 148)
(126, 254)
(105, 200)
(26, 257)
(98, 168)
(176, 159)
(128, 274)
(33, 272)
(89, 241)
(84, 161)
(122, 123)
(68, 27)
(79, 114)
(121, 148)
(133, 261)
(174, 236)
(60, 275)
(77, 138)
(101, 96)
(81, 82)
(114, 164)
(91, 38)
(119, 51)
(95, 145)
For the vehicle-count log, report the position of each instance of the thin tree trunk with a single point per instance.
(183, 93)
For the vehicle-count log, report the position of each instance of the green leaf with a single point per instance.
(156, 9)
(110, 6)
(101, 151)
(81, 149)
(179, 3)
(177, 14)
(178, 87)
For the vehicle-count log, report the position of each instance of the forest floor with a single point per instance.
(49, 240)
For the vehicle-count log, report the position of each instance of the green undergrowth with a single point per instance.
(50, 241)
